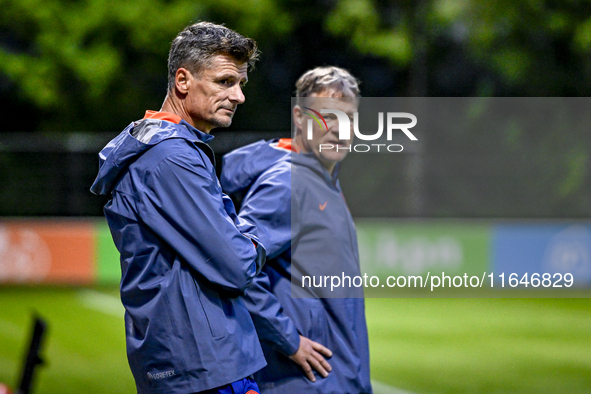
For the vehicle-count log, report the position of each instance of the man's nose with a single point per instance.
(236, 95)
(333, 126)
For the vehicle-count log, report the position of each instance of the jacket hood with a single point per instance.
(243, 166)
(138, 137)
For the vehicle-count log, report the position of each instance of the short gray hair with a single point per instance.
(194, 47)
(327, 79)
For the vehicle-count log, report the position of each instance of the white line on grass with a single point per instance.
(383, 388)
(101, 302)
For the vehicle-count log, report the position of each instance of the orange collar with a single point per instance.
(285, 143)
(169, 117)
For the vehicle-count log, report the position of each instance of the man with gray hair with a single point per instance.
(312, 343)
(186, 258)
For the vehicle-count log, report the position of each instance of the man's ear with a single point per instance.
(298, 117)
(182, 80)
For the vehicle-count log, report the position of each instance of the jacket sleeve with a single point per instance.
(267, 205)
(182, 202)
(271, 323)
(247, 229)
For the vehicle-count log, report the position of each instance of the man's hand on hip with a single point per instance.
(310, 355)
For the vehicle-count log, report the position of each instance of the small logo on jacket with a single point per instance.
(161, 375)
(323, 206)
(251, 392)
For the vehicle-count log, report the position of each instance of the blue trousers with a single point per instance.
(242, 386)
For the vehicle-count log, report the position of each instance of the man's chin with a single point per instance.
(224, 122)
(333, 157)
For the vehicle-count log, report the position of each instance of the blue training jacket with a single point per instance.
(185, 259)
(318, 236)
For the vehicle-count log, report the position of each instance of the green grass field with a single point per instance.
(417, 345)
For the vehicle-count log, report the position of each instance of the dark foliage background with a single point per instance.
(75, 73)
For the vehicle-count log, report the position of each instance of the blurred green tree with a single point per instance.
(88, 64)
(531, 48)
(85, 65)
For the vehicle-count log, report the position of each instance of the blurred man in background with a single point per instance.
(185, 255)
(292, 195)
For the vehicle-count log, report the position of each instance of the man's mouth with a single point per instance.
(231, 110)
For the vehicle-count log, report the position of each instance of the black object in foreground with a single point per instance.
(33, 359)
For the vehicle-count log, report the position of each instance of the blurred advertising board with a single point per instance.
(415, 248)
(81, 251)
(554, 248)
(57, 251)
(542, 258)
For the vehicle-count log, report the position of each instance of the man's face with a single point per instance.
(325, 143)
(215, 92)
